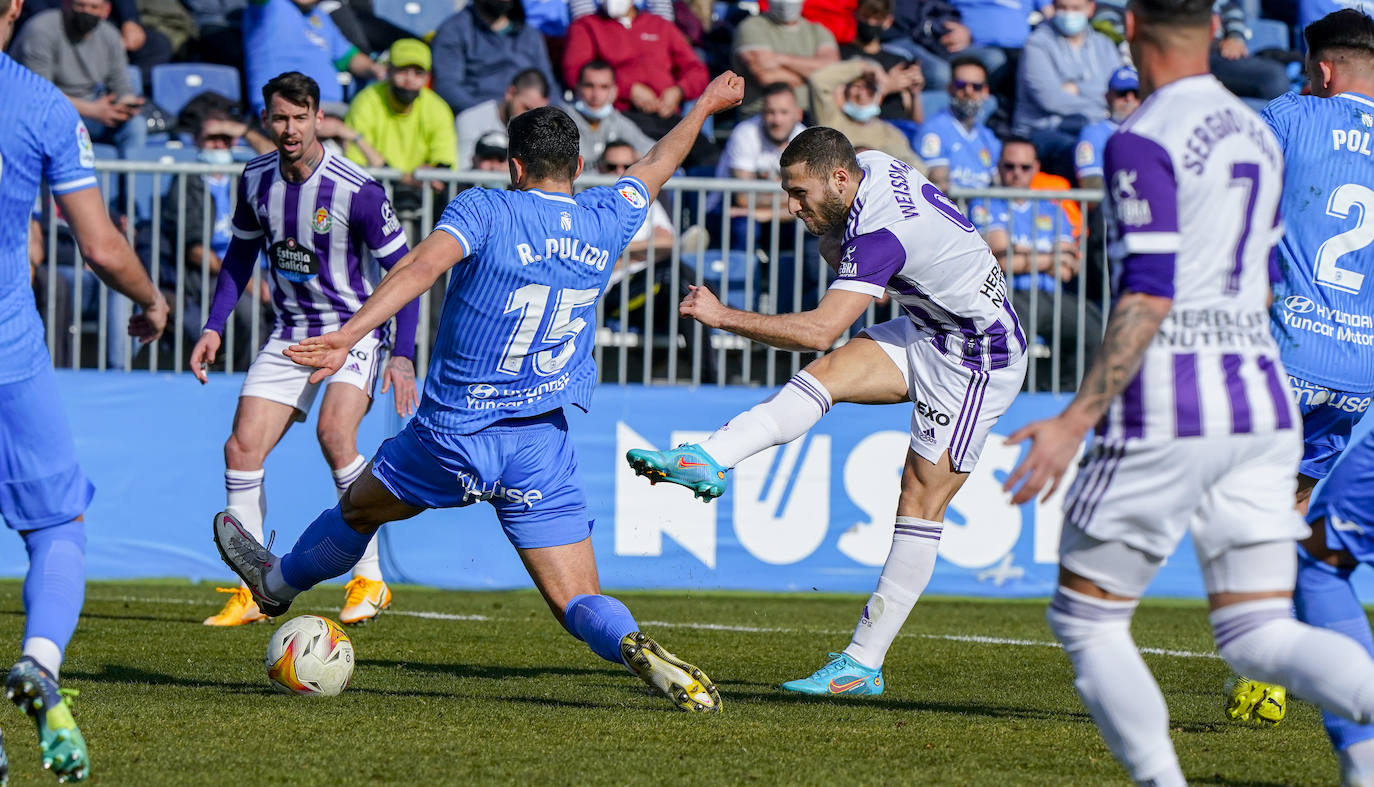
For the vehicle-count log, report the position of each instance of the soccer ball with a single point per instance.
(310, 655)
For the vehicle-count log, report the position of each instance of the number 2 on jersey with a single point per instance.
(531, 301)
(1328, 271)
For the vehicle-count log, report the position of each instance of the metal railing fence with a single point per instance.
(733, 236)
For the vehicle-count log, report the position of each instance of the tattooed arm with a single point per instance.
(1133, 324)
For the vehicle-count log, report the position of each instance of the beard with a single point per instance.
(831, 213)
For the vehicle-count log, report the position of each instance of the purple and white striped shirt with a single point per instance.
(907, 238)
(1193, 185)
(324, 238)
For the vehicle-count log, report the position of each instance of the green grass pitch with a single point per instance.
(484, 687)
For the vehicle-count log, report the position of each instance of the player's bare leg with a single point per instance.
(927, 489)
(259, 424)
(344, 406)
(859, 371)
(330, 546)
(566, 577)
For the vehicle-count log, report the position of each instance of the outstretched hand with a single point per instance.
(701, 305)
(326, 353)
(400, 374)
(1053, 444)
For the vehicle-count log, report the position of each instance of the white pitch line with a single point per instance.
(976, 639)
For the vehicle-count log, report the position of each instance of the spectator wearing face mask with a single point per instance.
(904, 77)
(959, 149)
(527, 90)
(1063, 83)
(405, 122)
(656, 69)
(479, 49)
(81, 53)
(780, 46)
(1123, 96)
(598, 121)
(845, 96)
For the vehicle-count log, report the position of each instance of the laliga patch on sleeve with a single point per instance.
(633, 196)
(390, 224)
(85, 153)
(1084, 154)
(930, 145)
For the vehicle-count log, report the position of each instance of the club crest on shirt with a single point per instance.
(565, 221)
(323, 221)
(294, 261)
(632, 196)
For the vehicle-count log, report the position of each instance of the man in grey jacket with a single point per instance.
(598, 121)
(1062, 83)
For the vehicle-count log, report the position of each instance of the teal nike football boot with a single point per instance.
(842, 675)
(36, 693)
(687, 465)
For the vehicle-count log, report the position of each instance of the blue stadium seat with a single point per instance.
(175, 84)
(136, 79)
(146, 183)
(1269, 34)
(726, 273)
(105, 152)
(420, 17)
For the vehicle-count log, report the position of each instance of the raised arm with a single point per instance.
(724, 92)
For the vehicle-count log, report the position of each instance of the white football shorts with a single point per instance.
(277, 378)
(1229, 491)
(954, 407)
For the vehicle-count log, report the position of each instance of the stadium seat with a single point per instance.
(175, 84)
(136, 79)
(1269, 34)
(105, 152)
(144, 184)
(726, 273)
(420, 17)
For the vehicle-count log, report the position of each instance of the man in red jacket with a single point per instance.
(655, 68)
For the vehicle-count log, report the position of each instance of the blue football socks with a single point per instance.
(54, 587)
(328, 548)
(601, 622)
(1325, 598)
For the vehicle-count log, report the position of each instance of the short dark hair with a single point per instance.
(4, 7)
(823, 150)
(1345, 32)
(874, 7)
(595, 64)
(546, 142)
(293, 86)
(1015, 139)
(617, 143)
(969, 60)
(1173, 13)
(208, 105)
(777, 89)
(531, 78)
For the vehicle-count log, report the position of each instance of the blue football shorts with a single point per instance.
(1327, 419)
(1346, 502)
(41, 483)
(524, 467)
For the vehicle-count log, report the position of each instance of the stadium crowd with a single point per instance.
(975, 93)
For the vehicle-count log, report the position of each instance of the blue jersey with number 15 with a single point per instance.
(1323, 312)
(519, 319)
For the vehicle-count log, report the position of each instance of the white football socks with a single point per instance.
(45, 652)
(781, 418)
(246, 500)
(1115, 685)
(370, 565)
(915, 543)
(1262, 641)
(1357, 764)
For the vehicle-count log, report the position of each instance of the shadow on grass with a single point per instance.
(489, 671)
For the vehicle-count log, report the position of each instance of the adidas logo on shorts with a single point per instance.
(927, 436)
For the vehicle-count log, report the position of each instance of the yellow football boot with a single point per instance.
(1257, 703)
(239, 610)
(364, 599)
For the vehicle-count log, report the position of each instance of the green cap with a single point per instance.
(410, 52)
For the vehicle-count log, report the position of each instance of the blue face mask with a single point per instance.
(593, 114)
(220, 156)
(1070, 23)
(861, 113)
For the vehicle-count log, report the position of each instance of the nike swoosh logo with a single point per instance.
(841, 688)
(684, 464)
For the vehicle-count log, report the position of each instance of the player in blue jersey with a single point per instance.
(512, 352)
(43, 491)
(1323, 321)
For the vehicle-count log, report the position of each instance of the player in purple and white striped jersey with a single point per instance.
(326, 227)
(958, 355)
(1196, 428)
